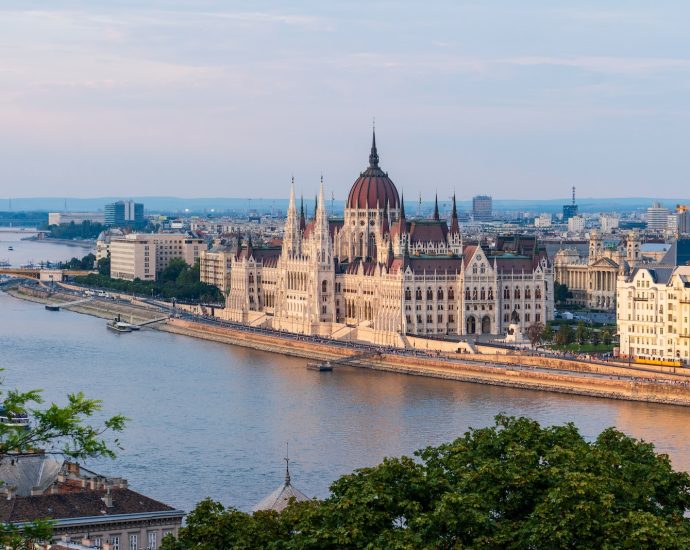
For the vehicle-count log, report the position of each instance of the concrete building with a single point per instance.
(376, 276)
(607, 223)
(576, 224)
(60, 218)
(144, 255)
(123, 213)
(215, 266)
(82, 504)
(482, 208)
(543, 220)
(653, 313)
(683, 217)
(657, 217)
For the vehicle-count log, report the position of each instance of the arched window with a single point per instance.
(528, 294)
(324, 287)
(408, 294)
(506, 293)
(467, 293)
(429, 294)
(474, 293)
(439, 294)
(451, 294)
(251, 278)
(537, 293)
(491, 293)
(483, 294)
(517, 292)
(418, 293)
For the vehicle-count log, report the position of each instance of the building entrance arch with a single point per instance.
(471, 325)
(486, 325)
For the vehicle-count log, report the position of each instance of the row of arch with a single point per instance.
(429, 293)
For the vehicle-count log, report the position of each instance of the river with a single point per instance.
(208, 419)
(38, 251)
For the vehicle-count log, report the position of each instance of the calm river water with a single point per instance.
(212, 420)
(35, 251)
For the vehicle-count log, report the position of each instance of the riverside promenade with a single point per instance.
(613, 381)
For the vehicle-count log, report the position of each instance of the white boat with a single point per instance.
(9, 420)
(118, 326)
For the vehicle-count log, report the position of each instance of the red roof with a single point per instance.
(373, 189)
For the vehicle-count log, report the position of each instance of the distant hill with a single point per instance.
(226, 204)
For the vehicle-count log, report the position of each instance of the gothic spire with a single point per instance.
(302, 219)
(454, 227)
(373, 156)
(436, 214)
(402, 206)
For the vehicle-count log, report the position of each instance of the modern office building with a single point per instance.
(657, 217)
(482, 208)
(570, 210)
(122, 213)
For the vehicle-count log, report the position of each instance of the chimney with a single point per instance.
(108, 498)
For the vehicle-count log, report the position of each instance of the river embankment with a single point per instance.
(517, 371)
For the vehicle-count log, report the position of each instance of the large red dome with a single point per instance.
(373, 188)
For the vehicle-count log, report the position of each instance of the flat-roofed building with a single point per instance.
(144, 255)
(60, 218)
(482, 208)
(215, 266)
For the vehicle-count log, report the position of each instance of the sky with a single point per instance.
(201, 98)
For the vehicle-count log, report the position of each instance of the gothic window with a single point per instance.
(419, 318)
(506, 317)
(451, 294)
(528, 294)
(408, 294)
(517, 293)
(537, 293)
(483, 294)
(467, 293)
(491, 293)
(474, 293)
(324, 287)
(428, 318)
(429, 294)
(251, 278)
(506, 293)
(418, 293)
(439, 294)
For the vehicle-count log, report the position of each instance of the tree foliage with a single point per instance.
(564, 336)
(561, 294)
(84, 230)
(535, 333)
(178, 280)
(512, 485)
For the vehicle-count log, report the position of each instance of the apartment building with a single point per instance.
(215, 265)
(653, 313)
(144, 255)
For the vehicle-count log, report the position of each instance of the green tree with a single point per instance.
(173, 270)
(547, 334)
(564, 336)
(595, 338)
(606, 336)
(103, 266)
(535, 333)
(64, 430)
(581, 333)
(512, 485)
(561, 293)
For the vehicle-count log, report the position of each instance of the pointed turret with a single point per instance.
(374, 155)
(302, 219)
(436, 214)
(454, 226)
(291, 236)
(239, 245)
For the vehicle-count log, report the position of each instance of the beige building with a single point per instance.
(144, 255)
(215, 266)
(592, 279)
(653, 313)
(376, 276)
(83, 504)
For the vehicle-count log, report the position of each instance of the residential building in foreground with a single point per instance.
(653, 313)
(82, 504)
(377, 276)
(144, 255)
(215, 266)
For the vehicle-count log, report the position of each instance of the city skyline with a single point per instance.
(202, 99)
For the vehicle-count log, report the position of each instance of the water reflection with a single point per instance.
(210, 419)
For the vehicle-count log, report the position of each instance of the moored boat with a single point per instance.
(17, 420)
(321, 367)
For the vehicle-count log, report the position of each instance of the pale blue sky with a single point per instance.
(204, 98)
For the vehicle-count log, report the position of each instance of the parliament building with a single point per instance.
(375, 275)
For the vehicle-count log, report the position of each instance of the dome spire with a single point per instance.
(436, 214)
(373, 156)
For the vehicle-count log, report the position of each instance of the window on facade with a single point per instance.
(491, 294)
(419, 318)
(505, 317)
(517, 293)
(428, 319)
(115, 542)
(152, 540)
(429, 294)
(133, 542)
(474, 293)
(418, 293)
(537, 293)
(483, 294)
(324, 287)
(467, 293)
(451, 294)
(439, 294)
(408, 294)
(451, 318)
(506, 293)
(528, 294)
(440, 318)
